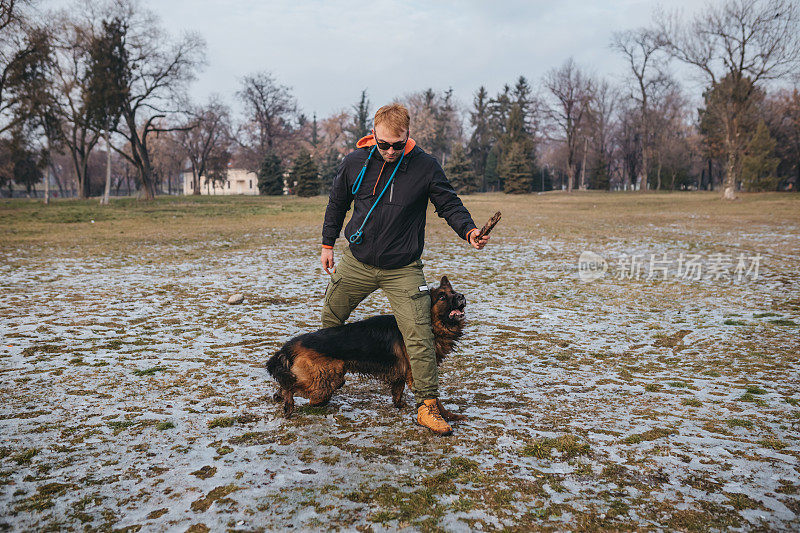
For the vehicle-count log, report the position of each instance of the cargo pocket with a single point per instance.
(336, 300)
(421, 302)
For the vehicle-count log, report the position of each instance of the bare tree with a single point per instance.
(423, 106)
(626, 144)
(435, 121)
(159, 73)
(166, 157)
(640, 48)
(71, 39)
(205, 139)
(270, 109)
(745, 42)
(334, 134)
(10, 12)
(604, 108)
(782, 115)
(571, 91)
(669, 120)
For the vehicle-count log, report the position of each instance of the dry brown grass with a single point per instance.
(589, 215)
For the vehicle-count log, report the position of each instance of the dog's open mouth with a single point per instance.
(456, 314)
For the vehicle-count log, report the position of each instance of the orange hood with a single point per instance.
(369, 140)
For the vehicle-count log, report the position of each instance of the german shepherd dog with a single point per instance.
(313, 365)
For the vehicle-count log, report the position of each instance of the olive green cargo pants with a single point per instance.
(352, 281)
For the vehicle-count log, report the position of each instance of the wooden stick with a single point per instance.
(489, 225)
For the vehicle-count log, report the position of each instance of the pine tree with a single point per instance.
(328, 168)
(524, 99)
(314, 131)
(270, 176)
(480, 142)
(515, 129)
(443, 113)
(492, 178)
(27, 171)
(758, 164)
(544, 180)
(499, 108)
(602, 177)
(361, 123)
(513, 145)
(108, 75)
(459, 171)
(517, 170)
(108, 85)
(305, 175)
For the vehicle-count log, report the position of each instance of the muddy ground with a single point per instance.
(133, 397)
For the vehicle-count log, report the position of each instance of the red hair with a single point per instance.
(393, 116)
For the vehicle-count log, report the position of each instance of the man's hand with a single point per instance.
(327, 259)
(478, 243)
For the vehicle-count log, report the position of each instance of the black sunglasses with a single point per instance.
(383, 145)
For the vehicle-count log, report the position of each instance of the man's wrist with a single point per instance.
(473, 230)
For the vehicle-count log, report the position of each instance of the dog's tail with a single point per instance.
(280, 367)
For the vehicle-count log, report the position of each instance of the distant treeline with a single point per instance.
(95, 97)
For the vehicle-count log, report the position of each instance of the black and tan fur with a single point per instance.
(313, 365)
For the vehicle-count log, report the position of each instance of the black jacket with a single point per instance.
(395, 232)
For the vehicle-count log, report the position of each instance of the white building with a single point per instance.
(239, 181)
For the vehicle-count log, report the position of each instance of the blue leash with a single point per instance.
(355, 238)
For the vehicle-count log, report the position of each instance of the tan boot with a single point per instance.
(428, 415)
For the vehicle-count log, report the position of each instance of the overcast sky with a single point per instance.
(328, 51)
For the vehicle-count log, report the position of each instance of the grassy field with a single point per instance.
(133, 397)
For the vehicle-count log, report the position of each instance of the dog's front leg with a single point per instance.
(397, 394)
(448, 415)
(288, 403)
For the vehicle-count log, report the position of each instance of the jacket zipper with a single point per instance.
(391, 191)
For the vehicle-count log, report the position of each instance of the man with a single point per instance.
(389, 181)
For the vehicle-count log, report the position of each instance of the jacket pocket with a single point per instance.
(364, 192)
(400, 193)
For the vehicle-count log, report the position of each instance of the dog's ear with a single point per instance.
(445, 282)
